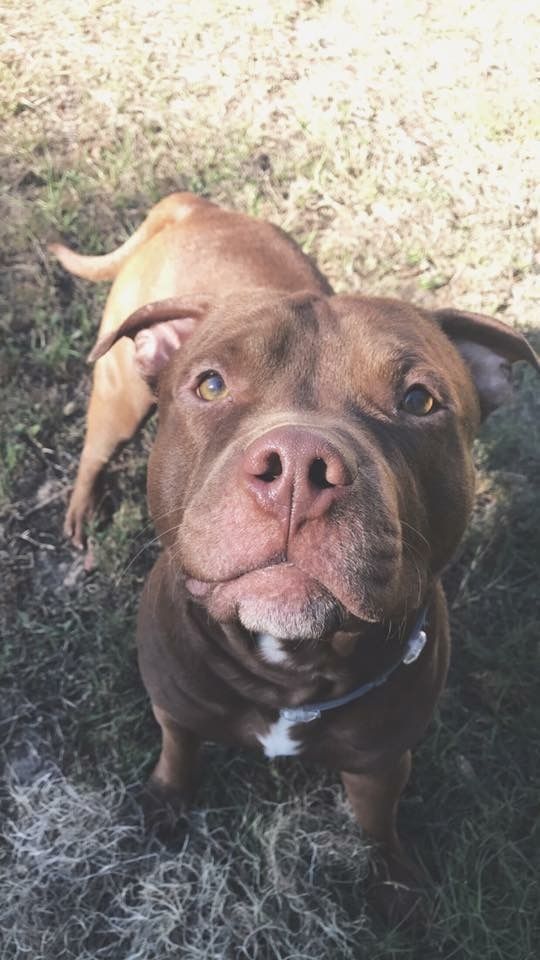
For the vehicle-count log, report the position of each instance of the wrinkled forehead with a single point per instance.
(260, 335)
(388, 336)
(272, 324)
(338, 340)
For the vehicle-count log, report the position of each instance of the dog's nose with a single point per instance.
(295, 473)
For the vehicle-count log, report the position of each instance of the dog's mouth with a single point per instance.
(279, 599)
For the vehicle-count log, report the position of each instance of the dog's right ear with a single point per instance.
(488, 347)
(157, 330)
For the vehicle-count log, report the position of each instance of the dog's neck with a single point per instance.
(414, 646)
(291, 673)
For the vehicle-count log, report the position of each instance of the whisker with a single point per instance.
(417, 532)
(412, 548)
(145, 546)
(412, 560)
(152, 522)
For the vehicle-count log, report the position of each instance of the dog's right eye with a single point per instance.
(212, 386)
(418, 401)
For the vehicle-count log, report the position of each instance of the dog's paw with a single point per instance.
(79, 511)
(398, 893)
(400, 906)
(164, 812)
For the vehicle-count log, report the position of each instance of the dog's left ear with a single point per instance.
(158, 330)
(489, 348)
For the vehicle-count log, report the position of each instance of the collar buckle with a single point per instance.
(415, 646)
(299, 714)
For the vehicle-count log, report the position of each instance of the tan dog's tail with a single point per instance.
(173, 208)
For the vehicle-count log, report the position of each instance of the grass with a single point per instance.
(400, 147)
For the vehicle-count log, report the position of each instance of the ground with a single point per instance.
(399, 144)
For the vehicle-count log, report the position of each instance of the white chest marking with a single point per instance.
(271, 649)
(278, 741)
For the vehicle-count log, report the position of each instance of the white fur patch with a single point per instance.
(271, 649)
(278, 741)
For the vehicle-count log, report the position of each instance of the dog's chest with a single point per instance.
(277, 740)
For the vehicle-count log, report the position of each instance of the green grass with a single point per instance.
(355, 138)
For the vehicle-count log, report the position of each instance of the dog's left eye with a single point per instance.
(418, 401)
(212, 386)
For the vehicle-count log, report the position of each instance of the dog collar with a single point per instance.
(312, 711)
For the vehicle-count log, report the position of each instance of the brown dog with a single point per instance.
(311, 477)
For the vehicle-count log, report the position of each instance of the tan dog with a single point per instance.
(185, 245)
(311, 477)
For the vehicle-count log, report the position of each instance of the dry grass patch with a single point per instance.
(251, 878)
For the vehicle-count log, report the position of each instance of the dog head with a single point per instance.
(313, 456)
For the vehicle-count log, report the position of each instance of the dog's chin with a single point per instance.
(318, 618)
(279, 600)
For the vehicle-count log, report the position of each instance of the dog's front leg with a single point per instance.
(374, 798)
(172, 783)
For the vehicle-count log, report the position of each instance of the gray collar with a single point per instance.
(312, 711)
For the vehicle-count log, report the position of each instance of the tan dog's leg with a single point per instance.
(120, 398)
(172, 783)
(374, 799)
(119, 402)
